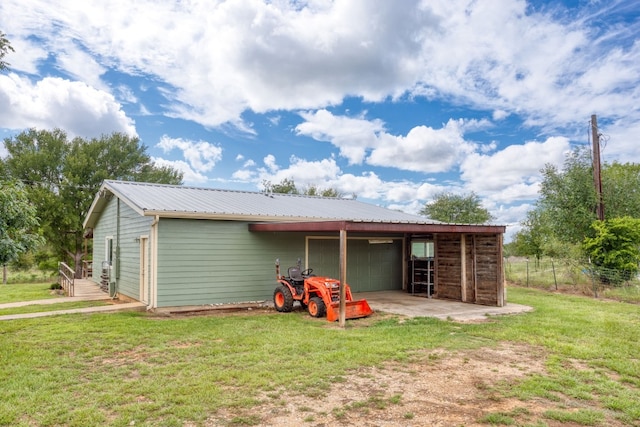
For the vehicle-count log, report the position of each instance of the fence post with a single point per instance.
(593, 280)
(527, 272)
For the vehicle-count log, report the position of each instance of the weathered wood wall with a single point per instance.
(488, 267)
(484, 280)
(448, 266)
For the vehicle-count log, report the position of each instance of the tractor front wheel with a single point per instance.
(282, 299)
(316, 307)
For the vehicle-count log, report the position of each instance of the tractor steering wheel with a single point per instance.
(307, 272)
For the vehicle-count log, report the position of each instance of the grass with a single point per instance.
(25, 292)
(123, 369)
(34, 308)
(559, 275)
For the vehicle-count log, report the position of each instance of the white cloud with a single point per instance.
(302, 172)
(512, 173)
(243, 175)
(270, 163)
(26, 55)
(424, 149)
(190, 176)
(201, 156)
(266, 56)
(508, 57)
(81, 66)
(353, 136)
(57, 103)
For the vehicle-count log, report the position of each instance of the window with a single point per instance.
(108, 250)
(422, 249)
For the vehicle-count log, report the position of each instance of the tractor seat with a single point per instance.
(296, 276)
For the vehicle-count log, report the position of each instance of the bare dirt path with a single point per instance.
(438, 388)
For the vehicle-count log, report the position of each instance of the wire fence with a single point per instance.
(560, 274)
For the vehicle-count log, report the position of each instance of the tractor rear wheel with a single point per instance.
(316, 307)
(282, 299)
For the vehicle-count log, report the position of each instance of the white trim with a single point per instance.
(153, 267)
(144, 269)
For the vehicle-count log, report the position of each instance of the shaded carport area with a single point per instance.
(468, 265)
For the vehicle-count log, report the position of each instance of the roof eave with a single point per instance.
(388, 227)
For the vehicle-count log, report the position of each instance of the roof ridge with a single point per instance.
(222, 190)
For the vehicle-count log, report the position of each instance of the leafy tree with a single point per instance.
(568, 197)
(314, 190)
(5, 47)
(614, 248)
(18, 224)
(454, 208)
(566, 207)
(288, 186)
(621, 190)
(63, 177)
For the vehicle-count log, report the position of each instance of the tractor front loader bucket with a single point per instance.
(354, 310)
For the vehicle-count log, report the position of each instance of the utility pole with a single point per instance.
(597, 177)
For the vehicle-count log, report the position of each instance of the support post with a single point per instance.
(343, 278)
(463, 267)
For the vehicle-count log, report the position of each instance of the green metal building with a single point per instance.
(171, 246)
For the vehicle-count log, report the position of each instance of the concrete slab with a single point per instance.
(405, 304)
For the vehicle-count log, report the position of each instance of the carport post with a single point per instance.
(343, 277)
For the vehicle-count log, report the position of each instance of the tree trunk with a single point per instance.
(4, 274)
(77, 261)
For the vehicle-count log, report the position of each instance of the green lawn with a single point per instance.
(123, 369)
(25, 292)
(37, 308)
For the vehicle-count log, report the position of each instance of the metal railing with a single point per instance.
(66, 276)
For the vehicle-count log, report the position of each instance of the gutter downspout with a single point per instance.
(153, 283)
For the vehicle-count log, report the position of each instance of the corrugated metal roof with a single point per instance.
(181, 201)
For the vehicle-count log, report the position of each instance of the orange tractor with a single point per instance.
(320, 295)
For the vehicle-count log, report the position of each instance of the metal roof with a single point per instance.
(192, 202)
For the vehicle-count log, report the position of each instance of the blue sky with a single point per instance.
(393, 101)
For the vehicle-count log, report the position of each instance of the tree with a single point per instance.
(314, 190)
(621, 189)
(568, 197)
(18, 224)
(454, 208)
(614, 248)
(5, 47)
(62, 178)
(566, 207)
(288, 186)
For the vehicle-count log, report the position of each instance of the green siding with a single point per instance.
(106, 226)
(125, 233)
(370, 267)
(210, 262)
